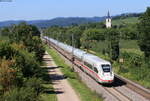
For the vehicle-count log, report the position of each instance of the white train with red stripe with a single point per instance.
(99, 69)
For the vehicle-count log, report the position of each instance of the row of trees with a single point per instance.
(20, 59)
(144, 33)
(85, 35)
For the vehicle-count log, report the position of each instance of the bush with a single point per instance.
(25, 61)
(7, 74)
(35, 84)
(132, 58)
(20, 94)
(29, 36)
(6, 51)
(37, 47)
(19, 60)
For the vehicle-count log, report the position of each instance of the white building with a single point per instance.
(108, 21)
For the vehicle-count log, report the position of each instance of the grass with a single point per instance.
(82, 90)
(4, 37)
(129, 44)
(124, 44)
(129, 20)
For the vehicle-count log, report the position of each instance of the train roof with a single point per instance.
(95, 59)
(90, 58)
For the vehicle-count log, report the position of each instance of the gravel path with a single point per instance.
(62, 87)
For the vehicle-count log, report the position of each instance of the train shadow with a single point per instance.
(117, 83)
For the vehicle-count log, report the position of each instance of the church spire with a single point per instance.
(108, 20)
(108, 15)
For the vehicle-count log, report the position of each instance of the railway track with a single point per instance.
(111, 89)
(135, 87)
(117, 94)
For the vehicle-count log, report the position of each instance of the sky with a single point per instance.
(48, 9)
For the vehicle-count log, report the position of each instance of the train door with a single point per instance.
(101, 73)
(96, 73)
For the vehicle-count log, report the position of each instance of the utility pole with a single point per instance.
(73, 51)
(57, 39)
(46, 38)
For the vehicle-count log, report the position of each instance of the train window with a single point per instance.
(90, 66)
(78, 58)
(106, 68)
(95, 69)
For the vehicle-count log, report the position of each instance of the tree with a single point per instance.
(113, 38)
(35, 84)
(144, 33)
(29, 35)
(19, 61)
(129, 32)
(23, 32)
(21, 94)
(7, 74)
(91, 35)
(25, 62)
(76, 32)
(5, 31)
(35, 45)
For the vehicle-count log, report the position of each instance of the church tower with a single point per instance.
(108, 21)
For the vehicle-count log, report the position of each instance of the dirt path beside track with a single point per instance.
(62, 87)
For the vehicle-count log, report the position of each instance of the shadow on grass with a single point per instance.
(57, 77)
(47, 59)
(52, 67)
(53, 92)
(45, 76)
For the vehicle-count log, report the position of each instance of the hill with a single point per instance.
(61, 21)
(128, 20)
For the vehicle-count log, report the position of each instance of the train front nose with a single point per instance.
(107, 78)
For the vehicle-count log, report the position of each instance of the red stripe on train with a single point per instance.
(91, 71)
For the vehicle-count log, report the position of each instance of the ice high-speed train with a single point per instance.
(96, 67)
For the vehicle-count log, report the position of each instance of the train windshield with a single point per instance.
(106, 68)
